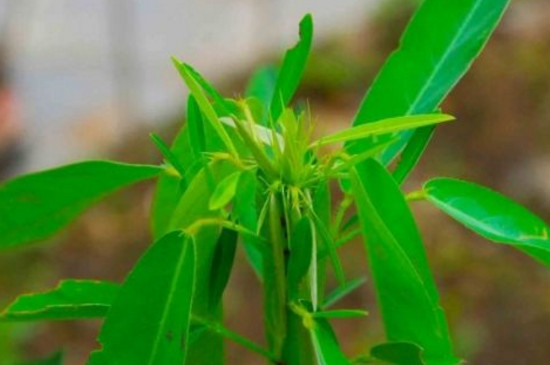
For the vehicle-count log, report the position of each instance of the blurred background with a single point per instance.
(90, 79)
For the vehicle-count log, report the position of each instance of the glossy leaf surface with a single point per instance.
(149, 320)
(71, 299)
(491, 215)
(383, 127)
(35, 206)
(438, 47)
(406, 291)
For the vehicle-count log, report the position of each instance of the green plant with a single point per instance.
(249, 172)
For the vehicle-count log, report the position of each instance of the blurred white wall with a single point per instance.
(87, 71)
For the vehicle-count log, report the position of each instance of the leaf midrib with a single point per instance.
(446, 55)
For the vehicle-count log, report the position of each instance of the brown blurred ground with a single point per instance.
(497, 300)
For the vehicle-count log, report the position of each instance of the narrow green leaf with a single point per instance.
(71, 299)
(300, 255)
(428, 64)
(225, 191)
(218, 328)
(35, 206)
(384, 126)
(342, 291)
(246, 212)
(292, 69)
(340, 313)
(491, 215)
(406, 291)
(412, 152)
(398, 353)
(222, 263)
(167, 153)
(148, 322)
(275, 303)
(326, 344)
(189, 76)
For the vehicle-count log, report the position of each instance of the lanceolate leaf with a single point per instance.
(35, 206)
(383, 127)
(406, 292)
(72, 299)
(436, 50)
(491, 215)
(292, 69)
(148, 322)
(326, 345)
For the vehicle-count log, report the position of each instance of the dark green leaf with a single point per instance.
(292, 69)
(491, 215)
(406, 291)
(148, 322)
(246, 213)
(35, 206)
(412, 152)
(71, 299)
(436, 50)
(222, 264)
(300, 254)
(398, 353)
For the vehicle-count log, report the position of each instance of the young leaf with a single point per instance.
(428, 64)
(398, 353)
(406, 291)
(292, 69)
(35, 206)
(384, 126)
(340, 313)
(148, 322)
(491, 215)
(224, 192)
(71, 299)
(326, 345)
(412, 152)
